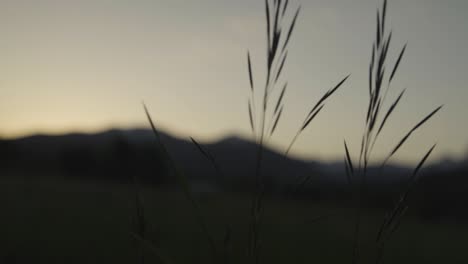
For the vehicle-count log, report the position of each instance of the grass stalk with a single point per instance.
(279, 32)
(183, 182)
(375, 122)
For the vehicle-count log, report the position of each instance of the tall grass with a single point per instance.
(265, 113)
(266, 108)
(195, 207)
(380, 82)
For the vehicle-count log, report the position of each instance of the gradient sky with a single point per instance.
(68, 65)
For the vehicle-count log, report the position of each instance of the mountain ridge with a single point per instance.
(229, 150)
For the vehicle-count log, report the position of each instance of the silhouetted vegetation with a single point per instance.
(113, 197)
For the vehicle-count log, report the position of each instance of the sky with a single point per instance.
(87, 66)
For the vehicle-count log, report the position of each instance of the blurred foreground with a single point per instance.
(52, 221)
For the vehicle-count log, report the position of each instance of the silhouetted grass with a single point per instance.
(379, 86)
(265, 119)
(266, 108)
(183, 182)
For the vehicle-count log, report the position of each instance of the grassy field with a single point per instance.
(53, 221)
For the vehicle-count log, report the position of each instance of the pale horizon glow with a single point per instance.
(86, 66)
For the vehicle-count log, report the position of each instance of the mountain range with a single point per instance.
(134, 154)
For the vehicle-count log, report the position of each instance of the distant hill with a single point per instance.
(96, 154)
(126, 155)
(236, 156)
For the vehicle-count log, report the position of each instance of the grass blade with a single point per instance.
(375, 116)
(202, 151)
(285, 7)
(249, 64)
(276, 121)
(403, 140)
(280, 98)
(378, 29)
(392, 221)
(291, 29)
(421, 163)
(427, 117)
(390, 111)
(348, 171)
(327, 95)
(251, 118)
(397, 63)
(384, 15)
(311, 118)
(183, 182)
(278, 74)
(348, 159)
(209, 156)
(277, 30)
(267, 7)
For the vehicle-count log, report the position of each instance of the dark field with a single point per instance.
(58, 221)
